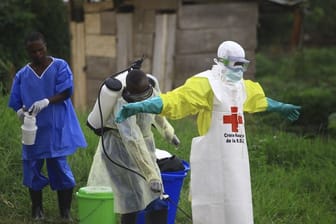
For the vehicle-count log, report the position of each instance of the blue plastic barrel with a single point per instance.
(172, 182)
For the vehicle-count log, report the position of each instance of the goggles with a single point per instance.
(129, 97)
(235, 63)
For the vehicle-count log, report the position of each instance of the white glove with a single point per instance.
(38, 106)
(20, 113)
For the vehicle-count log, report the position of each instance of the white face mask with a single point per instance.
(234, 75)
(229, 74)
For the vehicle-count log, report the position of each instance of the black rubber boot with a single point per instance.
(37, 209)
(64, 204)
(129, 218)
(157, 217)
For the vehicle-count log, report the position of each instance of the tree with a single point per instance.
(17, 19)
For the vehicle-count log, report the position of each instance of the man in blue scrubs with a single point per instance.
(43, 88)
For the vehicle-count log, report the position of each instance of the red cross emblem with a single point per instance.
(233, 119)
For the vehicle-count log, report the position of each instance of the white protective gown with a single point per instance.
(130, 144)
(227, 197)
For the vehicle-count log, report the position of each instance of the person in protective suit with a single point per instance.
(125, 158)
(219, 156)
(43, 88)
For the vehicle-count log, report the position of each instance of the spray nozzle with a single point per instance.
(137, 64)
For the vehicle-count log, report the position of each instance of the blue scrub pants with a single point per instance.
(59, 173)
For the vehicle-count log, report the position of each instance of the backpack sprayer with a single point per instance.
(135, 65)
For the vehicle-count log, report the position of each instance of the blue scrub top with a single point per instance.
(59, 132)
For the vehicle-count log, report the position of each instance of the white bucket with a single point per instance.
(28, 130)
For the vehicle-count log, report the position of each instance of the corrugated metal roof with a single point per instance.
(287, 2)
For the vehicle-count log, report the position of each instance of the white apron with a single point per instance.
(220, 173)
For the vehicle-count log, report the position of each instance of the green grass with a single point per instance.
(293, 178)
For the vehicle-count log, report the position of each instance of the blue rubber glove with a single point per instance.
(153, 105)
(288, 110)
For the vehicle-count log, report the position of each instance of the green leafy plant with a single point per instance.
(6, 74)
(305, 78)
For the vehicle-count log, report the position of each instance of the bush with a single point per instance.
(303, 78)
(17, 19)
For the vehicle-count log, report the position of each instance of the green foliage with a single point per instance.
(276, 24)
(332, 125)
(304, 78)
(317, 103)
(11, 166)
(56, 29)
(17, 19)
(84, 155)
(320, 21)
(6, 68)
(274, 27)
(287, 178)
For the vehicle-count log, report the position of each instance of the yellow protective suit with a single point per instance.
(219, 156)
(196, 97)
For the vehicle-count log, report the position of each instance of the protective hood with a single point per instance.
(231, 60)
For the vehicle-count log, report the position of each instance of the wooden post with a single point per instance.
(164, 50)
(78, 64)
(124, 40)
(297, 27)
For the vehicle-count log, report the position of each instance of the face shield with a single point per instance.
(136, 97)
(235, 64)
